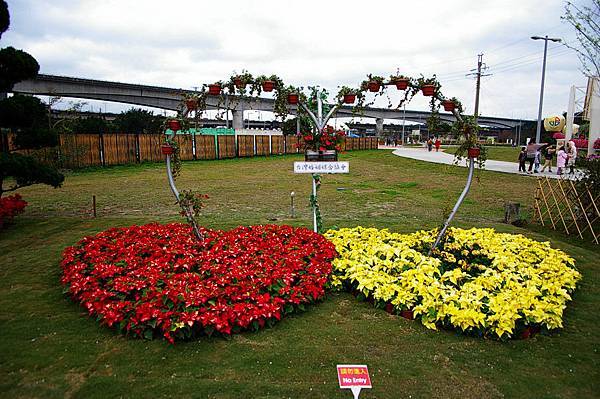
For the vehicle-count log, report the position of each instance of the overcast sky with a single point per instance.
(328, 43)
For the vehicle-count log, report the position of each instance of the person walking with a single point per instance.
(438, 144)
(429, 144)
(548, 157)
(531, 150)
(522, 159)
(537, 160)
(561, 160)
(572, 153)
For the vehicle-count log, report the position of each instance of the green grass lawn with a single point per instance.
(509, 154)
(49, 348)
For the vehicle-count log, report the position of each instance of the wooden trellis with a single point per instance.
(568, 207)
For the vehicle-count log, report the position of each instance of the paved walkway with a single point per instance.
(421, 154)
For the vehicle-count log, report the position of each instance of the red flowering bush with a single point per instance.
(158, 280)
(327, 139)
(597, 144)
(10, 207)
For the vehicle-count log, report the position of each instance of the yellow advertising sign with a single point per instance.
(554, 123)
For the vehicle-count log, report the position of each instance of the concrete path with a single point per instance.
(421, 154)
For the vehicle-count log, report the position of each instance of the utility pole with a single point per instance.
(481, 67)
(538, 131)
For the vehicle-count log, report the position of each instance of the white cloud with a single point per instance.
(330, 43)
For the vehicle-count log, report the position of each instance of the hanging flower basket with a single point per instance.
(293, 98)
(428, 90)
(401, 84)
(374, 86)
(191, 104)
(214, 89)
(167, 149)
(239, 83)
(448, 105)
(174, 125)
(268, 85)
(474, 152)
(320, 156)
(349, 98)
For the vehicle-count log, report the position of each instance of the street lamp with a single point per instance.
(539, 121)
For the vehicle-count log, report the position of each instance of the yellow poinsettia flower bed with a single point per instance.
(477, 281)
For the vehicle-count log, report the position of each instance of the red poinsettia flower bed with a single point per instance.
(10, 207)
(158, 280)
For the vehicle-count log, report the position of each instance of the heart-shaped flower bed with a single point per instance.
(158, 280)
(477, 281)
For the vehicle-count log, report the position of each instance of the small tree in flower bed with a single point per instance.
(10, 207)
(158, 280)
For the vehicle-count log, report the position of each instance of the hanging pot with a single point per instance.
(373, 86)
(474, 152)
(448, 105)
(428, 90)
(239, 83)
(349, 98)
(293, 98)
(268, 85)
(166, 149)
(214, 89)
(174, 125)
(401, 84)
(191, 104)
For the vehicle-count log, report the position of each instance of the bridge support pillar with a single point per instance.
(238, 119)
(379, 126)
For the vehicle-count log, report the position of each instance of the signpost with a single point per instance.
(353, 377)
(314, 168)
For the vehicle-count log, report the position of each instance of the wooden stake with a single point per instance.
(94, 204)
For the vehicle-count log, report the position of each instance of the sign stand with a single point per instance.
(354, 377)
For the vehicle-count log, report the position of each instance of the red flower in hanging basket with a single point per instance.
(167, 149)
(448, 105)
(474, 152)
(373, 86)
(268, 85)
(428, 90)
(401, 84)
(293, 98)
(349, 98)
(174, 125)
(239, 83)
(191, 104)
(214, 89)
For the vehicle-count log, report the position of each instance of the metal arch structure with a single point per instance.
(170, 99)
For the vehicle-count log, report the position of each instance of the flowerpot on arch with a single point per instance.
(268, 85)
(174, 125)
(373, 86)
(167, 149)
(214, 89)
(473, 152)
(349, 98)
(320, 156)
(293, 98)
(239, 83)
(448, 105)
(428, 90)
(191, 104)
(401, 84)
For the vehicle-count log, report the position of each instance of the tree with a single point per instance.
(586, 21)
(26, 117)
(136, 120)
(289, 126)
(91, 125)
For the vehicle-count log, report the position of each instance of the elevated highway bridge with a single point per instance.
(170, 99)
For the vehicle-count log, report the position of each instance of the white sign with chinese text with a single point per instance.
(322, 167)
